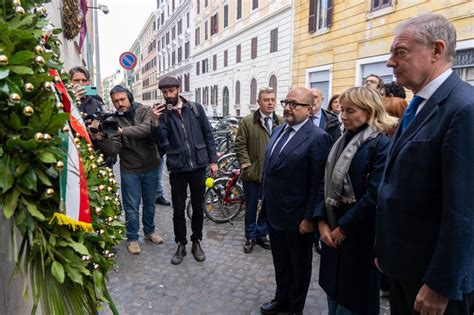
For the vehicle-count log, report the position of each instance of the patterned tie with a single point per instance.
(410, 112)
(267, 124)
(279, 145)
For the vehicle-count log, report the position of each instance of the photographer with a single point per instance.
(89, 104)
(182, 130)
(139, 160)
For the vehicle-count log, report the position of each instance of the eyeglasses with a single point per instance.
(292, 104)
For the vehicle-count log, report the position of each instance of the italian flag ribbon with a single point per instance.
(74, 195)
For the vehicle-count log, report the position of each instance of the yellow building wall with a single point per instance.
(357, 33)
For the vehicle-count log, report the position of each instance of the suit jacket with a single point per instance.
(330, 123)
(292, 185)
(425, 213)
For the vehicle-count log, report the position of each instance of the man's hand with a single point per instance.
(337, 236)
(156, 111)
(325, 232)
(306, 226)
(245, 165)
(428, 302)
(213, 168)
(95, 124)
(79, 91)
(119, 131)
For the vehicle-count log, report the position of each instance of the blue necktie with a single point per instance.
(267, 125)
(279, 145)
(410, 112)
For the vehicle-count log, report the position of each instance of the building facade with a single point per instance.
(240, 47)
(133, 76)
(337, 43)
(148, 66)
(173, 42)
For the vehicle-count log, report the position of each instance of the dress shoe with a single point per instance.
(248, 246)
(197, 251)
(179, 255)
(272, 307)
(263, 242)
(162, 201)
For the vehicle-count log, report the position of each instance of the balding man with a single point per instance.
(324, 119)
(294, 168)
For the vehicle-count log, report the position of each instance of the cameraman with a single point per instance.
(181, 129)
(90, 104)
(139, 160)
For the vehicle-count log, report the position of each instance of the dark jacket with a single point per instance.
(137, 150)
(425, 213)
(348, 274)
(187, 139)
(331, 124)
(91, 104)
(250, 142)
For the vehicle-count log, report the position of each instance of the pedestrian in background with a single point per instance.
(374, 81)
(252, 138)
(425, 214)
(89, 104)
(324, 119)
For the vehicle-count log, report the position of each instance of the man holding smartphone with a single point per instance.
(181, 129)
(90, 102)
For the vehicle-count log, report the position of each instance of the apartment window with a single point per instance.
(205, 30)
(186, 50)
(214, 63)
(205, 96)
(226, 53)
(320, 15)
(187, 20)
(173, 5)
(159, 45)
(167, 38)
(274, 40)
(173, 58)
(254, 48)
(197, 7)
(198, 95)
(226, 15)
(239, 9)
(186, 82)
(205, 66)
(180, 26)
(162, 18)
(197, 68)
(378, 68)
(158, 23)
(163, 42)
(254, 4)
(205, 3)
(380, 4)
(214, 24)
(180, 53)
(196, 37)
(253, 91)
(464, 64)
(173, 33)
(237, 92)
(320, 80)
(273, 83)
(237, 53)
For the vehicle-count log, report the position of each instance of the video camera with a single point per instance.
(107, 122)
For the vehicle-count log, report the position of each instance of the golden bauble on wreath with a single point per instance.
(59, 165)
(49, 192)
(39, 60)
(19, 10)
(15, 98)
(29, 87)
(39, 137)
(39, 49)
(3, 60)
(28, 111)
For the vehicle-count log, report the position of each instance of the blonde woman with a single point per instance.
(347, 224)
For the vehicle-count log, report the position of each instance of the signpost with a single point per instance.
(128, 60)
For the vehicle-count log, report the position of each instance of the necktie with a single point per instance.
(267, 124)
(280, 143)
(410, 112)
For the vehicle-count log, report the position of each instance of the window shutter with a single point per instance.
(237, 92)
(312, 16)
(254, 48)
(329, 12)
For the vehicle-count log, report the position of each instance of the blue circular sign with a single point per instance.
(128, 60)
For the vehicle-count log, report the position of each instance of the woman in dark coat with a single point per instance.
(347, 224)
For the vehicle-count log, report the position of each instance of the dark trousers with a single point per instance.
(403, 295)
(292, 257)
(179, 183)
(254, 227)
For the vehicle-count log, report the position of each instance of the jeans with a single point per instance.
(159, 190)
(179, 183)
(138, 187)
(255, 228)
(336, 309)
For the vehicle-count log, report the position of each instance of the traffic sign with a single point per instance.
(128, 60)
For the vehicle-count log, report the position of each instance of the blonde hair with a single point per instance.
(370, 100)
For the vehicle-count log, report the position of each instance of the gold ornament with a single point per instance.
(41, 10)
(39, 49)
(78, 146)
(39, 137)
(57, 79)
(101, 155)
(110, 255)
(47, 137)
(98, 210)
(16, 3)
(93, 166)
(86, 258)
(101, 188)
(107, 198)
(100, 160)
(110, 189)
(59, 106)
(59, 165)
(49, 192)
(101, 232)
(19, 10)
(95, 266)
(110, 219)
(116, 199)
(48, 86)
(3, 60)
(28, 111)
(66, 129)
(77, 140)
(91, 157)
(90, 146)
(29, 87)
(106, 252)
(15, 98)
(39, 60)
(116, 217)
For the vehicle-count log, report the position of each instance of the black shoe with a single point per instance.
(263, 242)
(197, 251)
(248, 246)
(272, 307)
(179, 255)
(162, 201)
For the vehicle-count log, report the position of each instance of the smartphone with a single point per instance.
(90, 90)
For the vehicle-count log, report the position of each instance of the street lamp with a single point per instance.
(105, 10)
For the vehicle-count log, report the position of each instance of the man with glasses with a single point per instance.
(294, 168)
(252, 138)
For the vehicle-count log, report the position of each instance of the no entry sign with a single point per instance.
(128, 60)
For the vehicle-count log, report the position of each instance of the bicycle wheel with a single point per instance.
(221, 207)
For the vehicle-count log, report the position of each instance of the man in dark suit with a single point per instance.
(294, 168)
(425, 213)
(324, 119)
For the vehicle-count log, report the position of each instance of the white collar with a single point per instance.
(297, 126)
(428, 90)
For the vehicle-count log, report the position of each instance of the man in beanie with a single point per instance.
(181, 129)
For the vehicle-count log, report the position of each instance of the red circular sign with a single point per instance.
(128, 60)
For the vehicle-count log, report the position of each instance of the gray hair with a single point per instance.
(430, 27)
